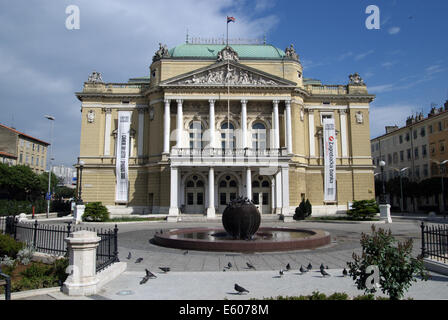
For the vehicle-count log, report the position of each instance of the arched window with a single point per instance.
(195, 132)
(232, 183)
(199, 184)
(255, 184)
(227, 135)
(265, 184)
(258, 136)
(190, 184)
(223, 184)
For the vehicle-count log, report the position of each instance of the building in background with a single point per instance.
(22, 149)
(66, 175)
(214, 122)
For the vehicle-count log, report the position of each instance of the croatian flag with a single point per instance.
(230, 19)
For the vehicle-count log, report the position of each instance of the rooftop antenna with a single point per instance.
(264, 38)
(186, 41)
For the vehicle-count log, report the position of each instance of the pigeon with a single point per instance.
(309, 267)
(288, 267)
(344, 272)
(326, 267)
(302, 269)
(224, 270)
(139, 260)
(321, 266)
(129, 255)
(150, 274)
(186, 252)
(324, 273)
(165, 269)
(240, 289)
(229, 265)
(161, 231)
(144, 280)
(250, 266)
(281, 272)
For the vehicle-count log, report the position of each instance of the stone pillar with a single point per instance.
(211, 193)
(273, 200)
(285, 194)
(174, 202)
(82, 280)
(166, 127)
(311, 133)
(276, 126)
(278, 192)
(385, 213)
(212, 122)
(107, 131)
(244, 123)
(343, 119)
(78, 213)
(179, 121)
(141, 128)
(248, 183)
(288, 127)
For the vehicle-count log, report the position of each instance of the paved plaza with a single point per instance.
(198, 275)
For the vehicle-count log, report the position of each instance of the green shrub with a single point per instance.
(95, 211)
(363, 209)
(303, 210)
(9, 246)
(397, 268)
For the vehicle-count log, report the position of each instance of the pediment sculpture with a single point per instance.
(95, 77)
(356, 80)
(224, 75)
(227, 54)
(291, 53)
(161, 53)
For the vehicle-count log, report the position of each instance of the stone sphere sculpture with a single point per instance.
(241, 219)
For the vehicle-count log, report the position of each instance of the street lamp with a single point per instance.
(81, 165)
(383, 192)
(400, 171)
(52, 119)
(442, 171)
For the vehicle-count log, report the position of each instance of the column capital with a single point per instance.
(211, 101)
(243, 101)
(342, 111)
(179, 101)
(167, 101)
(141, 110)
(107, 110)
(288, 103)
(275, 102)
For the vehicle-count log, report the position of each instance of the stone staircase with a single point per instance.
(203, 218)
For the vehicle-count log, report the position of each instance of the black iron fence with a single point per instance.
(49, 239)
(435, 242)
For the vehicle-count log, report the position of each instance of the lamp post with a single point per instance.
(81, 165)
(400, 171)
(52, 119)
(383, 192)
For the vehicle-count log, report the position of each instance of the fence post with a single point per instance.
(15, 221)
(116, 244)
(422, 226)
(69, 228)
(35, 234)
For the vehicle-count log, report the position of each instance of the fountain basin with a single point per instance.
(265, 240)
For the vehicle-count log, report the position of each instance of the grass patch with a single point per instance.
(343, 218)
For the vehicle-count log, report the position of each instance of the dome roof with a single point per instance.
(210, 51)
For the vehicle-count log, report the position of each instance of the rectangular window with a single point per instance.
(37, 161)
(265, 199)
(430, 128)
(417, 171)
(440, 126)
(415, 134)
(407, 136)
(401, 156)
(442, 146)
(38, 148)
(395, 157)
(432, 148)
(32, 160)
(200, 198)
(416, 152)
(21, 158)
(425, 170)
(409, 154)
(222, 199)
(401, 139)
(189, 198)
(389, 158)
(21, 143)
(424, 152)
(255, 198)
(34, 146)
(27, 158)
(422, 131)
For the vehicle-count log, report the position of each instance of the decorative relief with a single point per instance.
(228, 54)
(356, 80)
(359, 117)
(95, 77)
(224, 75)
(90, 116)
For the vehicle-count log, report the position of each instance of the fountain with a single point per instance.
(242, 233)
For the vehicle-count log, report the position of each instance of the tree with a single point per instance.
(20, 182)
(64, 193)
(397, 268)
(43, 177)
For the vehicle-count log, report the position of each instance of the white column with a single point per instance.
(343, 118)
(285, 191)
(141, 124)
(311, 132)
(107, 132)
(244, 123)
(288, 127)
(212, 122)
(276, 126)
(174, 202)
(248, 183)
(179, 120)
(278, 192)
(211, 213)
(273, 201)
(166, 127)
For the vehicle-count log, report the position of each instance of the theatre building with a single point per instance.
(213, 122)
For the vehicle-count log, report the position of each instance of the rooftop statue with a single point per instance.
(95, 77)
(161, 53)
(356, 80)
(291, 53)
(227, 54)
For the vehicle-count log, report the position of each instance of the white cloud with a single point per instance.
(388, 64)
(363, 55)
(394, 30)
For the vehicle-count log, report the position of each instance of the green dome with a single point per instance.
(210, 51)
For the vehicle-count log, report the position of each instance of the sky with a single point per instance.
(42, 63)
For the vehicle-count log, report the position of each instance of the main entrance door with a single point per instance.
(228, 191)
(194, 195)
(261, 194)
